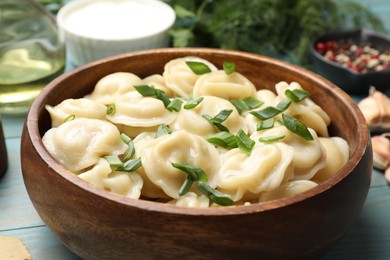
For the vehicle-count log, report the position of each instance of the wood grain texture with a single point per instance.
(98, 225)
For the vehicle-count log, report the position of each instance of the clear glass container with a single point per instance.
(31, 53)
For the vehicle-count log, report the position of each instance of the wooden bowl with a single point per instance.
(96, 224)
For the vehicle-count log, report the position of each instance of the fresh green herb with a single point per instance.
(270, 112)
(161, 96)
(229, 67)
(196, 174)
(192, 103)
(199, 68)
(214, 195)
(265, 124)
(219, 118)
(131, 149)
(130, 165)
(247, 103)
(266, 113)
(244, 143)
(69, 118)
(113, 160)
(175, 105)
(110, 109)
(296, 95)
(271, 139)
(223, 139)
(163, 129)
(146, 90)
(297, 127)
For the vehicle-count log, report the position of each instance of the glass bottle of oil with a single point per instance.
(31, 53)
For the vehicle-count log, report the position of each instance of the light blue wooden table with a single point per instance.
(369, 238)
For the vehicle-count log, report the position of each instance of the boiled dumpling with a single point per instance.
(287, 189)
(79, 143)
(192, 200)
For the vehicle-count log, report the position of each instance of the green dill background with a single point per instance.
(278, 28)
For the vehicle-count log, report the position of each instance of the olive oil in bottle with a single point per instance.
(31, 53)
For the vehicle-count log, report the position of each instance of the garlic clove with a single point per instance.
(387, 174)
(381, 151)
(376, 110)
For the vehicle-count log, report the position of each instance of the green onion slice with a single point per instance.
(69, 118)
(214, 195)
(196, 173)
(161, 96)
(145, 90)
(283, 105)
(114, 160)
(163, 129)
(229, 67)
(219, 118)
(265, 124)
(223, 139)
(110, 109)
(266, 113)
(247, 103)
(296, 95)
(198, 68)
(131, 149)
(192, 103)
(175, 105)
(130, 165)
(244, 143)
(297, 127)
(271, 138)
(186, 186)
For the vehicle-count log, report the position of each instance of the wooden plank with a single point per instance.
(15, 205)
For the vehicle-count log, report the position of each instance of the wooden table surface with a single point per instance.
(369, 238)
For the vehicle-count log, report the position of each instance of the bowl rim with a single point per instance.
(68, 7)
(32, 130)
(362, 33)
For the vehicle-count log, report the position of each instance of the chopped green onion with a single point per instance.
(113, 160)
(186, 186)
(265, 124)
(244, 143)
(145, 90)
(271, 139)
(214, 195)
(125, 138)
(163, 129)
(217, 125)
(296, 95)
(130, 165)
(247, 103)
(283, 105)
(69, 118)
(223, 139)
(297, 127)
(175, 105)
(229, 67)
(219, 118)
(196, 174)
(110, 109)
(161, 96)
(266, 113)
(192, 103)
(198, 68)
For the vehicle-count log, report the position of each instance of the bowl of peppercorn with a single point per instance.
(354, 60)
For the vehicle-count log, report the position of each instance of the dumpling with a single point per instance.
(79, 143)
(264, 169)
(337, 151)
(110, 87)
(220, 84)
(306, 111)
(180, 78)
(287, 189)
(135, 111)
(192, 200)
(101, 176)
(158, 82)
(81, 107)
(268, 98)
(178, 147)
(309, 156)
(192, 121)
